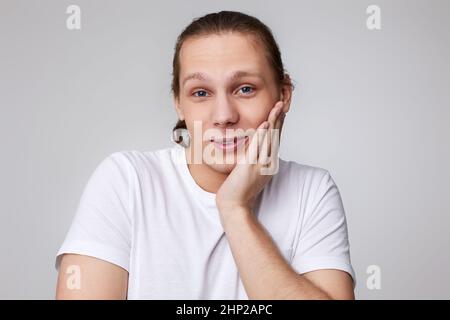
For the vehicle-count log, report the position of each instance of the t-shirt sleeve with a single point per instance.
(323, 242)
(101, 227)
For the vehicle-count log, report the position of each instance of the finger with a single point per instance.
(255, 142)
(263, 158)
(269, 159)
(274, 117)
(258, 138)
(279, 119)
(279, 124)
(275, 112)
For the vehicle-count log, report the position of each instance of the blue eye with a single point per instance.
(246, 89)
(202, 93)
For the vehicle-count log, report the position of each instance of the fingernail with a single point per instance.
(277, 113)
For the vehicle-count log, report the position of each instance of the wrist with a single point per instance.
(229, 208)
(230, 211)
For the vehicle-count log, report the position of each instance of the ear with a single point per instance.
(178, 108)
(286, 93)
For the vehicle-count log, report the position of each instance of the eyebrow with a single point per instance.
(234, 76)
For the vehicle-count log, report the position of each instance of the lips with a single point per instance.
(228, 143)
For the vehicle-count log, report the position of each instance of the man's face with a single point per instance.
(226, 82)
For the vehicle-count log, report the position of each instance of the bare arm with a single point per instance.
(266, 275)
(99, 279)
(337, 283)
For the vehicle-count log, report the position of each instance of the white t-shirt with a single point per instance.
(144, 212)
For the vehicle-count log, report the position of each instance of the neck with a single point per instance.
(207, 178)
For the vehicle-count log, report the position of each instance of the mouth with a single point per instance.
(229, 143)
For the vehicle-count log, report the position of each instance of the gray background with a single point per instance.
(372, 107)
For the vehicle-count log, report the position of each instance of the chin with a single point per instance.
(223, 168)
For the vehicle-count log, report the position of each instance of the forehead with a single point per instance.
(216, 54)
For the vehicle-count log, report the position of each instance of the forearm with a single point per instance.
(263, 270)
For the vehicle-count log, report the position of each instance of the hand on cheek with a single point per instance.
(246, 180)
(275, 119)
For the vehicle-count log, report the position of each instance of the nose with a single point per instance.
(225, 113)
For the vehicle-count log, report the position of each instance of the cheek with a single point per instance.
(257, 114)
(195, 113)
(197, 121)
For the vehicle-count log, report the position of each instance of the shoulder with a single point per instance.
(138, 161)
(311, 185)
(303, 174)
